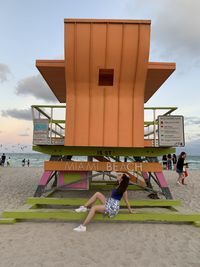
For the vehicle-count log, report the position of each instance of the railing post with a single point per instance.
(51, 125)
(154, 126)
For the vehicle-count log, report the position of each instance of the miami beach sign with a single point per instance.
(102, 166)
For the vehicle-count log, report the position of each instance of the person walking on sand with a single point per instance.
(3, 159)
(8, 162)
(23, 162)
(169, 162)
(109, 206)
(174, 160)
(185, 172)
(28, 162)
(179, 168)
(164, 162)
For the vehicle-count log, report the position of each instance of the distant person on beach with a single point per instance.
(179, 168)
(169, 162)
(8, 162)
(109, 206)
(174, 160)
(185, 171)
(3, 159)
(23, 162)
(28, 162)
(164, 162)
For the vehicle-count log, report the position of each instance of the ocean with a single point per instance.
(37, 159)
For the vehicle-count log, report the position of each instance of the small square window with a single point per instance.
(106, 77)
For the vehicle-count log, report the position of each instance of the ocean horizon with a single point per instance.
(37, 159)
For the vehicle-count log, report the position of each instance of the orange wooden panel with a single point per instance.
(158, 73)
(102, 166)
(105, 115)
(139, 86)
(127, 81)
(111, 116)
(53, 71)
(97, 57)
(82, 100)
(111, 96)
(70, 85)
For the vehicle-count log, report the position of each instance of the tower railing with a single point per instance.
(49, 124)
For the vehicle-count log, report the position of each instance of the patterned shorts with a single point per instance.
(111, 207)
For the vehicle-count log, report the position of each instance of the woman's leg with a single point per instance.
(96, 196)
(181, 177)
(93, 210)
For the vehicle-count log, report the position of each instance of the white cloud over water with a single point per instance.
(23, 114)
(35, 86)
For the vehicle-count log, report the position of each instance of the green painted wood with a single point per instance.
(197, 224)
(105, 187)
(82, 201)
(48, 106)
(7, 220)
(103, 151)
(57, 121)
(69, 215)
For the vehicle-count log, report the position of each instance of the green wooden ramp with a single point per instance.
(70, 215)
(81, 201)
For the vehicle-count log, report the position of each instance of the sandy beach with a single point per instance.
(114, 244)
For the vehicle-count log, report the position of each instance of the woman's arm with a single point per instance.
(125, 196)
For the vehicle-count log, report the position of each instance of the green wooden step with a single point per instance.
(197, 224)
(106, 186)
(7, 220)
(69, 215)
(82, 201)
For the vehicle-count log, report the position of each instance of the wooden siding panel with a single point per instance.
(113, 60)
(98, 44)
(82, 84)
(138, 97)
(70, 84)
(105, 115)
(127, 80)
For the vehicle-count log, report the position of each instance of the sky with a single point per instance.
(34, 29)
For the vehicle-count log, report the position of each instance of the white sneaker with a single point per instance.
(80, 228)
(178, 183)
(81, 209)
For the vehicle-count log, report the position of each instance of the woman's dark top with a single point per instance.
(116, 195)
(180, 164)
(174, 160)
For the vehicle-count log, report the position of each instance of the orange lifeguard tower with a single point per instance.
(105, 78)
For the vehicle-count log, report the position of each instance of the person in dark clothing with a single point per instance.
(169, 161)
(179, 168)
(109, 206)
(164, 161)
(174, 160)
(3, 159)
(23, 162)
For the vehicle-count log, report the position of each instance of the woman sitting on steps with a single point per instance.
(109, 206)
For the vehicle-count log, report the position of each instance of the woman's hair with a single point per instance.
(123, 185)
(182, 154)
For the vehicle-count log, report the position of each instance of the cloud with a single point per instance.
(23, 114)
(35, 86)
(192, 121)
(4, 72)
(26, 132)
(175, 27)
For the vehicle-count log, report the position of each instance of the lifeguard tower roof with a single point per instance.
(105, 79)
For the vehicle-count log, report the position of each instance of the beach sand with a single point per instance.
(104, 244)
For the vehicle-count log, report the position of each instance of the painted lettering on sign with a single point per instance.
(102, 166)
